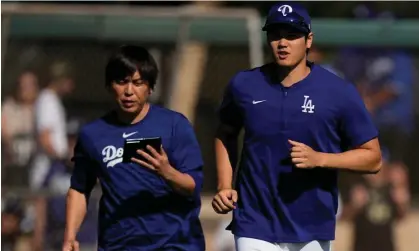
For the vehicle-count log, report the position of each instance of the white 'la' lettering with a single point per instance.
(308, 105)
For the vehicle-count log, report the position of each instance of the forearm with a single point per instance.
(46, 144)
(382, 97)
(39, 228)
(6, 137)
(361, 160)
(49, 150)
(76, 210)
(226, 157)
(182, 183)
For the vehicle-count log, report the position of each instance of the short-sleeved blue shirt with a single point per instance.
(138, 209)
(278, 202)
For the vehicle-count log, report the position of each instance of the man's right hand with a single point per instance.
(223, 201)
(71, 245)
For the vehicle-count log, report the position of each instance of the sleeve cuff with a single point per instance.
(197, 176)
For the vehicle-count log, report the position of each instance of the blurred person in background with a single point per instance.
(18, 129)
(286, 194)
(388, 95)
(316, 55)
(385, 79)
(351, 60)
(147, 204)
(375, 205)
(12, 214)
(57, 182)
(50, 121)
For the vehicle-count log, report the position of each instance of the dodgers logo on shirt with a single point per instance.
(308, 106)
(112, 155)
(285, 9)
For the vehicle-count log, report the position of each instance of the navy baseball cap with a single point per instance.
(290, 13)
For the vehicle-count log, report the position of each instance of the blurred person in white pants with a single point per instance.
(50, 122)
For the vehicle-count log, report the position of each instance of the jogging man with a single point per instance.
(302, 124)
(151, 202)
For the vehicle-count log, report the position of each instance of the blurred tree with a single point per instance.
(316, 9)
(340, 9)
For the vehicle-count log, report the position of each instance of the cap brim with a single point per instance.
(277, 25)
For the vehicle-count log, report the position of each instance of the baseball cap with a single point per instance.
(290, 13)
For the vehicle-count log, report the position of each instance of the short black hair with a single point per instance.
(127, 60)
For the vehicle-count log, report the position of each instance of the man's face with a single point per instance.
(131, 93)
(28, 87)
(66, 86)
(288, 45)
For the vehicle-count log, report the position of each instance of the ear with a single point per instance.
(309, 40)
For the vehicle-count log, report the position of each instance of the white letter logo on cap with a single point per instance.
(285, 9)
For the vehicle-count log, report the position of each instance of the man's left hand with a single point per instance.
(304, 156)
(157, 162)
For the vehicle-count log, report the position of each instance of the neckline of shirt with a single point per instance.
(115, 122)
(302, 82)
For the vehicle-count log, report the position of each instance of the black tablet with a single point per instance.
(132, 145)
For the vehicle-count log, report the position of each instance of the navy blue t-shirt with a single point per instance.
(138, 209)
(277, 201)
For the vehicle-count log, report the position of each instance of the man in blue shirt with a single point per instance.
(388, 95)
(302, 124)
(150, 203)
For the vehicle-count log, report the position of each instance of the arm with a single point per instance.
(182, 183)
(6, 138)
(39, 225)
(83, 180)
(44, 116)
(76, 208)
(358, 134)
(4, 132)
(182, 166)
(365, 158)
(226, 139)
(359, 140)
(187, 160)
(44, 139)
(7, 110)
(226, 145)
(226, 142)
